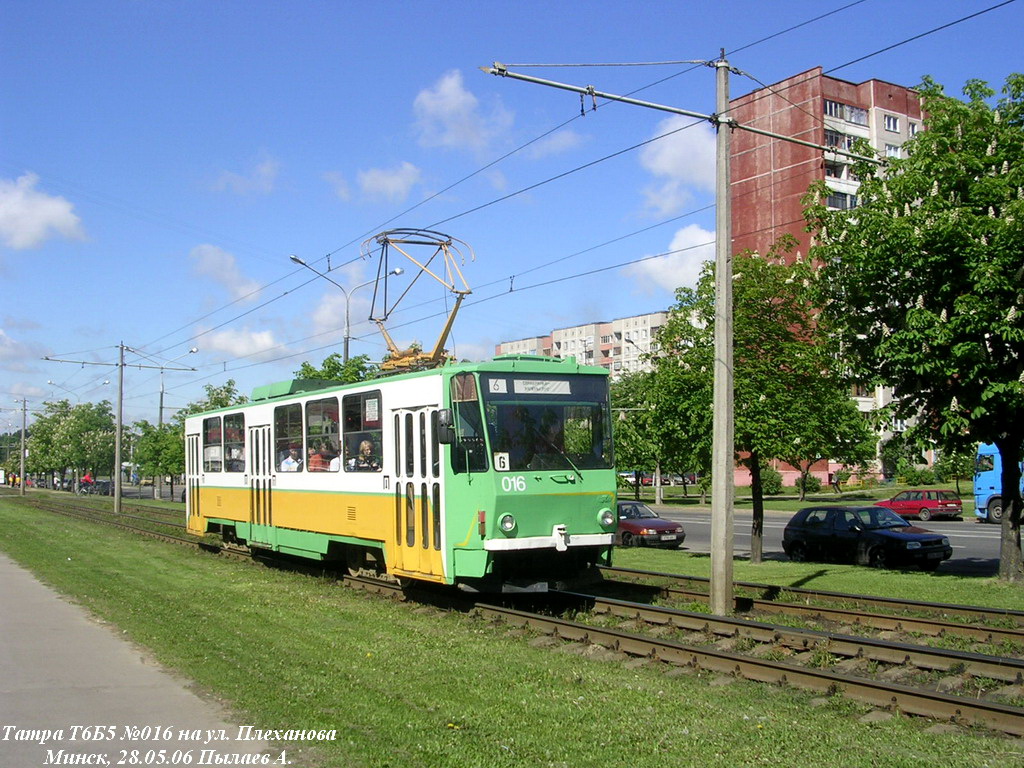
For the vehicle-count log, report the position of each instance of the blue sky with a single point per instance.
(160, 161)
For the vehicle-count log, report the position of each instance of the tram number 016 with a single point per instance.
(514, 483)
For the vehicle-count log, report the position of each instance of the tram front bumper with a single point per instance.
(560, 539)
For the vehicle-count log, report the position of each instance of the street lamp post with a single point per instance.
(160, 415)
(158, 486)
(347, 292)
(53, 383)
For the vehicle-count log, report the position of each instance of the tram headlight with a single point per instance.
(606, 517)
(507, 523)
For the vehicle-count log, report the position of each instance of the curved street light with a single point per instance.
(347, 292)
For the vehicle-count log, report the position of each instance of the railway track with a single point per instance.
(826, 662)
(935, 620)
(879, 693)
(768, 594)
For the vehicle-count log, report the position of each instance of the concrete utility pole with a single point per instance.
(24, 427)
(121, 348)
(722, 448)
(722, 491)
(117, 428)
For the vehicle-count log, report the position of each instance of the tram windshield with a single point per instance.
(547, 422)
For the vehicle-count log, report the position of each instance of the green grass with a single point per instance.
(938, 587)
(409, 686)
(789, 500)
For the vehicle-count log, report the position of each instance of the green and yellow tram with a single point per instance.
(491, 476)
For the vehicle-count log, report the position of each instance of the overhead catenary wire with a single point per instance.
(509, 154)
(505, 197)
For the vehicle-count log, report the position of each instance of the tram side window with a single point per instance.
(468, 452)
(362, 432)
(288, 437)
(213, 448)
(234, 442)
(322, 436)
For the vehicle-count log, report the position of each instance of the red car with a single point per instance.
(925, 504)
(640, 525)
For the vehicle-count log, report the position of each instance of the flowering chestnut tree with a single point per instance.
(924, 279)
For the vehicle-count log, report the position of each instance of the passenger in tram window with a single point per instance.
(316, 462)
(365, 460)
(291, 462)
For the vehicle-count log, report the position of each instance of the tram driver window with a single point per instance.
(213, 450)
(469, 452)
(288, 437)
(362, 432)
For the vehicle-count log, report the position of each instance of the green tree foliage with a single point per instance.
(924, 281)
(223, 396)
(79, 437)
(790, 401)
(159, 449)
(636, 445)
(955, 466)
(358, 368)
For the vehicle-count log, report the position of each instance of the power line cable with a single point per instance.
(517, 150)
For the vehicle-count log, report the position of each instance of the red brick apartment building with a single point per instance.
(770, 176)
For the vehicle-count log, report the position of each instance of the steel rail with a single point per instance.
(942, 706)
(772, 591)
(1009, 670)
(882, 621)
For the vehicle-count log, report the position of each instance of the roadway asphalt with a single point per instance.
(66, 680)
(975, 545)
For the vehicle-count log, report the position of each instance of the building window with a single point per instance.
(842, 201)
(891, 150)
(833, 108)
(837, 139)
(856, 115)
(834, 170)
(912, 129)
(892, 123)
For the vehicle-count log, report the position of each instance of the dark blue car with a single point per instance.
(864, 535)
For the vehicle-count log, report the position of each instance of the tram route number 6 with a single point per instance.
(513, 483)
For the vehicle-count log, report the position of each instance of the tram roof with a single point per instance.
(513, 362)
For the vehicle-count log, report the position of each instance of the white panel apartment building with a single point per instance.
(617, 345)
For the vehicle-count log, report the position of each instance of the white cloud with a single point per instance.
(339, 184)
(474, 352)
(29, 217)
(16, 355)
(682, 161)
(260, 179)
(447, 115)
(243, 343)
(695, 245)
(555, 144)
(392, 185)
(214, 262)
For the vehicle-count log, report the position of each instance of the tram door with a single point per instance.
(193, 466)
(261, 482)
(417, 492)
